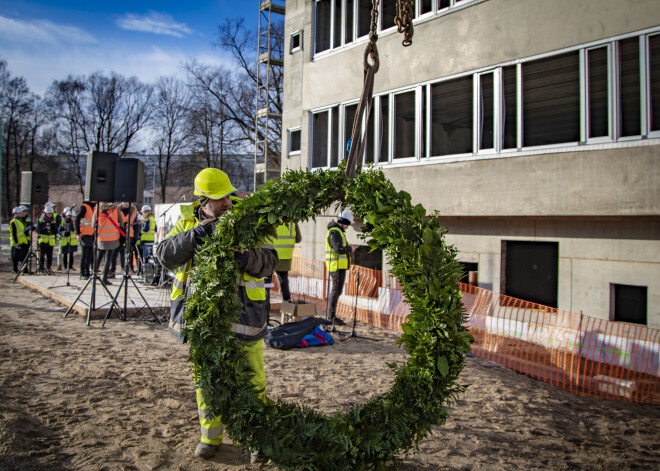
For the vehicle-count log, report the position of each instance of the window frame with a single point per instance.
(292, 49)
(585, 113)
(645, 74)
(289, 132)
(417, 113)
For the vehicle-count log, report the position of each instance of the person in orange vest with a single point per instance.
(85, 234)
(128, 224)
(107, 239)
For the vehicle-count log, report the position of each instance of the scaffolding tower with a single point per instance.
(268, 118)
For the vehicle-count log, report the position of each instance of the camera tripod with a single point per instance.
(27, 261)
(126, 277)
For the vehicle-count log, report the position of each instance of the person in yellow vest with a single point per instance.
(107, 239)
(85, 235)
(47, 233)
(68, 240)
(288, 235)
(19, 238)
(147, 232)
(338, 259)
(176, 251)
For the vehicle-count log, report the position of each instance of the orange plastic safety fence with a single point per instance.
(582, 354)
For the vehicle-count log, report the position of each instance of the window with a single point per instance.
(530, 271)
(294, 141)
(451, 117)
(598, 106)
(486, 125)
(628, 303)
(629, 88)
(364, 17)
(383, 132)
(425, 6)
(336, 20)
(551, 100)
(510, 125)
(296, 42)
(323, 22)
(348, 22)
(349, 117)
(320, 128)
(404, 125)
(654, 80)
(387, 14)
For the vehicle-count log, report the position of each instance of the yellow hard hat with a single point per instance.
(213, 184)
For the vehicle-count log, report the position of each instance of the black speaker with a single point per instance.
(129, 180)
(34, 188)
(100, 181)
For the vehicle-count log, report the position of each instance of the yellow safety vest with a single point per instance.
(335, 261)
(254, 287)
(20, 232)
(285, 241)
(46, 238)
(150, 235)
(71, 239)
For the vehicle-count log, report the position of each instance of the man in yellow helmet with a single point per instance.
(177, 250)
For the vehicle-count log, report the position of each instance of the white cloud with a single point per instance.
(154, 22)
(39, 31)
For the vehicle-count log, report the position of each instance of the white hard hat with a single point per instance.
(22, 208)
(66, 210)
(146, 207)
(17, 209)
(48, 208)
(347, 215)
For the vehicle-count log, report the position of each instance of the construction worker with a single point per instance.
(60, 255)
(127, 238)
(68, 239)
(85, 235)
(288, 235)
(176, 251)
(47, 233)
(107, 239)
(19, 237)
(338, 259)
(147, 232)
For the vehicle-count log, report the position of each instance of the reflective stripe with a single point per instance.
(214, 432)
(247, 330)
(285, 241)
(87, 224)
(205, 413)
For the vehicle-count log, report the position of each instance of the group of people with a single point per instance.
(117, 224)
(50, 228)
(121, 233)
(176, 252)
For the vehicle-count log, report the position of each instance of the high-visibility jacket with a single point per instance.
(251, 291)
(46, 232)
(70, 239)
(17, 231)
(87, 221)
(148, 233)
(108, 225)
(335, 261)
(285, 241)
(127, 222)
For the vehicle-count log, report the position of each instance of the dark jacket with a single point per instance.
(335, 239)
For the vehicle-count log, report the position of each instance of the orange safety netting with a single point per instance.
(582, 354)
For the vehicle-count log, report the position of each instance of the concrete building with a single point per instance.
(532, 127)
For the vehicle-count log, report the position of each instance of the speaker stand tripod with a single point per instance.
(91, 305)
(126, 277)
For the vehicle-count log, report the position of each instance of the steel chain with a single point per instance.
(405, 12)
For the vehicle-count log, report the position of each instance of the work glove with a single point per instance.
(241, 258)
(204, 229)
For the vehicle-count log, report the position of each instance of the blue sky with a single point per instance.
(48, 40)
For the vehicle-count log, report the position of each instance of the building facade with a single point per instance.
(531, 127)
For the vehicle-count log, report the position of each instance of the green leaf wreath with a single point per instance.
(369, 435)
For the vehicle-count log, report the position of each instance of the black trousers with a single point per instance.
(46, 256)
(283, 276)
(107, 254)
(338, 277)
(18, 253)
(86, 260)
(67, 260)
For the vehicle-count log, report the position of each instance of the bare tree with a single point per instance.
(170, 125)
(97, 113)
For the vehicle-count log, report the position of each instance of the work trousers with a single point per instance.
(86, 260)
(211, 427)
(338, 277)
(67, 260)
(283, 276)
(107, 254)
(18, 253)
(46, 256)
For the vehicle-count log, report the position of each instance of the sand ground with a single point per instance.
(74, 397)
